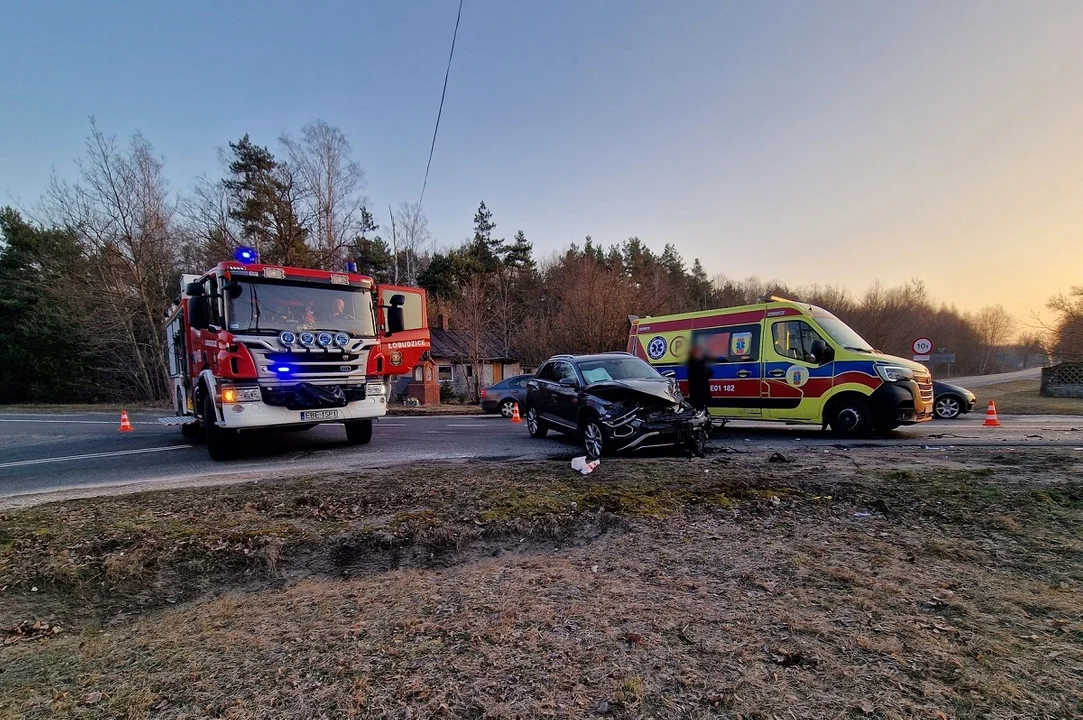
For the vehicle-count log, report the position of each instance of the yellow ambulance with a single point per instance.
(791, 362)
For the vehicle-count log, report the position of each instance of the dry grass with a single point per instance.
(915, 587)
(1021, 397)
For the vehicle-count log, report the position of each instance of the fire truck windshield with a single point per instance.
(269, 307)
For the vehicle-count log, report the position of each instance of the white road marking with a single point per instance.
(90, 456)
(79, 422)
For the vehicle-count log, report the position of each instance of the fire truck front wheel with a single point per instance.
(358, 432)
(221, 443)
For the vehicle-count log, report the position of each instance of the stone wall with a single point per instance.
(1063, 380)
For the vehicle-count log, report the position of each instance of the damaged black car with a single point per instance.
(615, 402)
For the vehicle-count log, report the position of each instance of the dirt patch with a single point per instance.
(426, 410)
(864, 583)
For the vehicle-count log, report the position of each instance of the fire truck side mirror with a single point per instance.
(198, 313)
(194, 289)
(396, 321)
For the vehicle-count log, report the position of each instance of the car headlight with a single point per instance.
(894, 373)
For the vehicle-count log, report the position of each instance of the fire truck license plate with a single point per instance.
(319, 414)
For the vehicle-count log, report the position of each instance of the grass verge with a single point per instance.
(838, 584)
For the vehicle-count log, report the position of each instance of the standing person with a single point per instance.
(699, 378)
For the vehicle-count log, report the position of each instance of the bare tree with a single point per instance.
(412, 240)
(123, 216)
(212, 233)
(994, 327)
(330, 186)
(472, 314)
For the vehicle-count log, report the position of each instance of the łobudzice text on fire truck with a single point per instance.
(255, 346)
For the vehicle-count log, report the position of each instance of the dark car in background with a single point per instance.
(504, 395)
(951, 401)
(615, 402)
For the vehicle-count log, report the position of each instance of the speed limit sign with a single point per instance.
(923, 346)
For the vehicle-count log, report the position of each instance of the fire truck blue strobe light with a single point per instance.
(351, 265)
(246, 255)
(281, 369)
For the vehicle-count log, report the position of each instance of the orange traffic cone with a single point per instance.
(125, 424)
(515, 414)
(991, 416)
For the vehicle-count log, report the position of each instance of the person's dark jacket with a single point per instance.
(699, 382)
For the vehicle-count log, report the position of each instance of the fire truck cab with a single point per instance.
(253, 346)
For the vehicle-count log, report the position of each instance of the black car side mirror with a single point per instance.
(569, 382)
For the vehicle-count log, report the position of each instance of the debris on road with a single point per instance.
(580, 465)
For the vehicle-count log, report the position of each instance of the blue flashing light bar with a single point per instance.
(351, 265)
(282, 369)
(246, 255)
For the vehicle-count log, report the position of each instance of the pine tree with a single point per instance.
(484, 249)
(262, 198)
(519, 255)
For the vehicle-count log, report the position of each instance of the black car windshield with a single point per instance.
(616, 368)
(271, 307)
(842, 333)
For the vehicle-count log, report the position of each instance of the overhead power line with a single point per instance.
(440, 112)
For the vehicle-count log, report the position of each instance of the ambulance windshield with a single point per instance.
(841, 333)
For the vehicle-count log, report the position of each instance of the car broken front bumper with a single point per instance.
(656, 430)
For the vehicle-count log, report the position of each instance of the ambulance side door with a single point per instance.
(734, 352)
(794, 382)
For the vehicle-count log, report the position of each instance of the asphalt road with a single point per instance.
(46, 452)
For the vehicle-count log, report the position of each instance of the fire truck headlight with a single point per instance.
(342, 339)
(240, 395)
(287, 338)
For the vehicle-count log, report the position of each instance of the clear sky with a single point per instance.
(827, 142)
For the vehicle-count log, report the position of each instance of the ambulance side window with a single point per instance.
(735, 344)
(793, 339)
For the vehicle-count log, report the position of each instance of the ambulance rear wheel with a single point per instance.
(850, 417)
(221, 443)
(358, 432)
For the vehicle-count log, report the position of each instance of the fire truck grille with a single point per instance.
(313, 365)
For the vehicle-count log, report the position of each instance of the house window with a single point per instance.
(470, 371)
(444, 373)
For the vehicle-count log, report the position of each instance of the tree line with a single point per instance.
(86, 276)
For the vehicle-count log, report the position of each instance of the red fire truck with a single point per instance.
(253, 346)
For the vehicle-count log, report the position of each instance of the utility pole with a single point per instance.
(394, 242)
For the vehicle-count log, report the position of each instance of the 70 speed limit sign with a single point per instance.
(923, 346)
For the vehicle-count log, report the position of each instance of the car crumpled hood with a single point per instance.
(645, 389)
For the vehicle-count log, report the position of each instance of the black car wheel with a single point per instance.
(593, 439)
(948, 407)
(507, 407)
(358, 432)
(534, 424)
(850, 417)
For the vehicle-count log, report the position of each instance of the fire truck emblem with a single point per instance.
(656, 348)
(396, 357)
